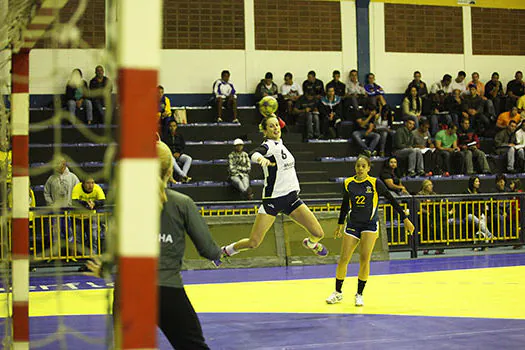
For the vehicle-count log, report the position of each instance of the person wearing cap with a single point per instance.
(239, 167)
(473, 109)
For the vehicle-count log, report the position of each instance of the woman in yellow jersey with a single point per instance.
(360, 202)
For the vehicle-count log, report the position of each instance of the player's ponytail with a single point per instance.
(166, 170)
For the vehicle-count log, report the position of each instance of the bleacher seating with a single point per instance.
(320, 164)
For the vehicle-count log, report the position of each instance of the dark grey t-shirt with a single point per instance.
(179, 217)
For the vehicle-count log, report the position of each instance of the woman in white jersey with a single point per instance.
(280, 194)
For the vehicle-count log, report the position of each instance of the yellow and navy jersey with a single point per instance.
(361, 199)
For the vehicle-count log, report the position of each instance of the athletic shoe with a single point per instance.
(219, 261)
(359, 300)
(318, 249)
(334, 298)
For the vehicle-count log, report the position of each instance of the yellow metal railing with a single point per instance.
(71, 235)
(445, 221)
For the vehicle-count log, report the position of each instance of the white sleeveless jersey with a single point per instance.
(281, 179)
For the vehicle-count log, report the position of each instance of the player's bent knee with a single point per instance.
(254, 243)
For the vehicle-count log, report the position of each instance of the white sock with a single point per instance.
(230, 250)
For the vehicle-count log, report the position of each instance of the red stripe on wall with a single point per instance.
(139, 103)
(20, 321)
(137, 290)
(20, 155)
(20, 72)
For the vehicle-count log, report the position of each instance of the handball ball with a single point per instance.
(268, 105)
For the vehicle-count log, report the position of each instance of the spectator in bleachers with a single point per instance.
(306, 109)
(89, 195)
(405, 147)
(454, 110)
(505, 117)
(460, 82)
(59, 186)
(6, 161)
(99, 86)
(331, 113)
(515, 89)
(412, 106)
(476, 213)
(383, 126)
(375, 92)
(239, 167)
(520, 137)
(423, 141)
(266, 87)
(290, 92)
(505, 143)
(77, 95)
(420, 85)
(468, 143)
(313, 86)
(164, 114)
(473, 109)
(494, 92)
(364, 135)
(177, 145)
(390, 176)
(337, 84)
(355, 93)
(447, 147)
(439, 91)
(427, 189)
(224, 94)
(488, 107)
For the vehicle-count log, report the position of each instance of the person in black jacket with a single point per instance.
(100, 88)
(175, 142)
(77, 94)
(313, 86)
(266, 87)
(331, 113)
(337, 84)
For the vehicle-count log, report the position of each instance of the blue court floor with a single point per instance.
(475, 302)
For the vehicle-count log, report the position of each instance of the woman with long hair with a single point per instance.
(359, 210)
(280, 194)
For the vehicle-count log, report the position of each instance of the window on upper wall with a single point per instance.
(203, 24)
(91, 24)
(424, 29)
(297, 25)
(498, 31)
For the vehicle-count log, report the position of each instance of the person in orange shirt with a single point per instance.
(505, 117)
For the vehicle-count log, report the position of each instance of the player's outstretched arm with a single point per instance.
(383, 191)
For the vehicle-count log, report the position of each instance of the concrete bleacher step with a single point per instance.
(215, 131)
(71, 134)
(85, 152)
(312, 176)
(247, 115)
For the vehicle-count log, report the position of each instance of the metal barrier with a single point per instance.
(441, 221)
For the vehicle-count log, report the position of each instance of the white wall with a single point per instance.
(394, 70)
(194, 71)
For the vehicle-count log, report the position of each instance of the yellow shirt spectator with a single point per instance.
(88, 194)
(6, 163)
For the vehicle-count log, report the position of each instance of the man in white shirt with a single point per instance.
(290, 92)
(355, 94)
(460, 83)
(224, 91)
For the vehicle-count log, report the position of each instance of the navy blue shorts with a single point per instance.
(285, 204)
(356, 230)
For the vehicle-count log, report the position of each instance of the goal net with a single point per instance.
(58, 154)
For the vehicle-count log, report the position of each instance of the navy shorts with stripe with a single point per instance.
(285, 204)
(356, 230)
